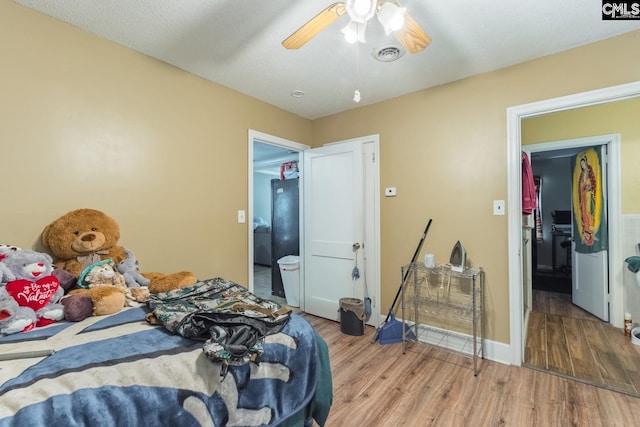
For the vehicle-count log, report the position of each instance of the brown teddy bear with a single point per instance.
(82, 237)
(85, 236)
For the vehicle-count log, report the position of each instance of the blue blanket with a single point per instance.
(120, 371)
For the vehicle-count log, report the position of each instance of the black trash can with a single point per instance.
(352, 316)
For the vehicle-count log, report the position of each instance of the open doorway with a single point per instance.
(368, 222)
(515, 115)
(564, 335)
(556, 265)
(571, 105)
(274, 212)
(551, 235)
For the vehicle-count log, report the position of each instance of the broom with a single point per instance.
(386, 323)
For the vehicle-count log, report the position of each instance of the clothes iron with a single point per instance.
(458, 258)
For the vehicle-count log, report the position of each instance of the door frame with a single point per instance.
(514, 208)
(372, 178)
(279, 142)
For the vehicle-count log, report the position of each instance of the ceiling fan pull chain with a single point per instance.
(356, 94)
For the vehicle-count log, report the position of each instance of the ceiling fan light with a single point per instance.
(361, 10)
(391, 16)
(350, 32)
(354, 32)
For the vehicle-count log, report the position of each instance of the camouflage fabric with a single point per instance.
(232, 321)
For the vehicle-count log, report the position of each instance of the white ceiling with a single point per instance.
(236, 43)
(267, 158)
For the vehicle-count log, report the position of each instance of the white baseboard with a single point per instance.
(463, 343)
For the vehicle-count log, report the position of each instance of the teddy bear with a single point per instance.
(130, 269)
(5, 273)
(13, 318)
(82, 237)
(102, 287)
(103, 273)
(32, 285)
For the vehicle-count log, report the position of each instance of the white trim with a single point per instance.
(514, 188)
(497, 351)
(373, 280)
(273, 140)
(462, 343)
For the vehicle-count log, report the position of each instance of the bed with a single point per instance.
(120, 370)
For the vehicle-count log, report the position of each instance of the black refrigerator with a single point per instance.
(285, 227)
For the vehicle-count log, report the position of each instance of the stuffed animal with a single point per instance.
(77, 307)
(104, 300)
(6, 250)
(84, 236)
(103, 273)
(33, 286)
(5, 272)
(130, 269)
(160, 282)
(13, 318)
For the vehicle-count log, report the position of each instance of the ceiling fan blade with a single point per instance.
(318, 23)
(412, 36)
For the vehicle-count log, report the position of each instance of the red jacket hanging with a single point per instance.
(529, 201)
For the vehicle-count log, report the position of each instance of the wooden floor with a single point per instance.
(378, 385)
(565, 339)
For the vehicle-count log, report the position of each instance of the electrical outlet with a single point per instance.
(498, 207)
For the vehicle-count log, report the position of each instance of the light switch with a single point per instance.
(241, 217)
(498, 207)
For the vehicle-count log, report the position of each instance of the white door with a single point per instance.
(334, 222)
(590, 275)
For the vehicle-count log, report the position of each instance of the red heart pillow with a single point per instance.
(33, 294)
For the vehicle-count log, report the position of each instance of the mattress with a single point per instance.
(119, 370)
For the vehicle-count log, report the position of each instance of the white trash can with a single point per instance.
(290, 273)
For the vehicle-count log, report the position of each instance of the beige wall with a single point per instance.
(86, 123)
(445, 150)
(614, 118)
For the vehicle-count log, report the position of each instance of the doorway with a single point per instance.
(551, 234)
(273, 221)
(369, 258)
(514, 148)
(565, 336)
(558, 267)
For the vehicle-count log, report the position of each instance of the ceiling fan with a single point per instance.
(394, 18)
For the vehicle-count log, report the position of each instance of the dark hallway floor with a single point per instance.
(552, 281)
